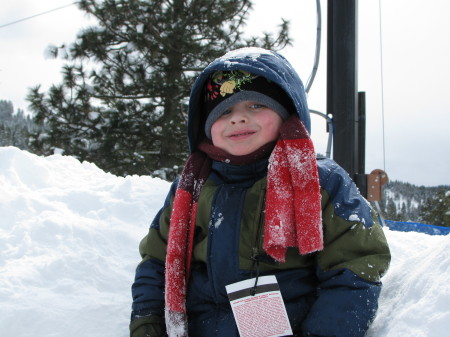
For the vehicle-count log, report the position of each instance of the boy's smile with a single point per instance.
(245, 127)
(241, 134)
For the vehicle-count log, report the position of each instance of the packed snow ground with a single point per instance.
(69, 236)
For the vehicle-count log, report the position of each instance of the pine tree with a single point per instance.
(14, 126)
(410, 197)
(436, 210)
(403, 214)
(391, 210)
(123, 99)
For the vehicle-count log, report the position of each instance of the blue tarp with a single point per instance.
(417, 227)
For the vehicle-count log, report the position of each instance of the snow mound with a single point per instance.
(69, 236)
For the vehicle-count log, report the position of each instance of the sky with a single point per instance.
(69, 237)
(403, 68)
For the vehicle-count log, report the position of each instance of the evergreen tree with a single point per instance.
(436, 210)
(410, 197)
(6, 111)
(122, 103)
(403, 215)
(14, 127)
(391, 210)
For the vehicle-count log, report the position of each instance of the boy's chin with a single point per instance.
(245, 151)
(238, 151)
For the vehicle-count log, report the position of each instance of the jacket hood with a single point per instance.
(258, 61)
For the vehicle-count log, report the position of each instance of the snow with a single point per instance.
(218, 221)
(253, 52)
(69, 236)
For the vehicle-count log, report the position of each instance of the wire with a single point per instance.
(310, 81)
(382, 86)
(330, 130)
(317, 53)
(33, 16)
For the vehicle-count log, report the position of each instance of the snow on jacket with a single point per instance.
(333, 292)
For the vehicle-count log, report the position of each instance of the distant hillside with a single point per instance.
(407, 202)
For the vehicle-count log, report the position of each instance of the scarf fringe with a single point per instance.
(176, 324)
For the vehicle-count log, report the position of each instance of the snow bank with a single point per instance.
(416, 294)
(69, 236)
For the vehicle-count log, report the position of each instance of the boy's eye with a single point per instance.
(226, 112)
(257, 106)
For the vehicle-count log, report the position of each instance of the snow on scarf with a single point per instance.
(293, 201)
(293, 209)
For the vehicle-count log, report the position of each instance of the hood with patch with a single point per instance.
(257, 61)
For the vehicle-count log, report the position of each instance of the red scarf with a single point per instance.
(293, 209)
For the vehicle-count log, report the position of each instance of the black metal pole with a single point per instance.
(360, 175)
(342, 93)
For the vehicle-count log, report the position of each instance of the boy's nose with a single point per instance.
(238, 116)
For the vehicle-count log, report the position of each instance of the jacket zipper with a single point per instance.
(259, 237)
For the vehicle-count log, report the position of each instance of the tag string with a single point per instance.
(253, 291)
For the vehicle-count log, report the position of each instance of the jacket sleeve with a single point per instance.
(354, 258)
(148, 287)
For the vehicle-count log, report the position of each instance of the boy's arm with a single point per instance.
(147, 316)
(349, 268)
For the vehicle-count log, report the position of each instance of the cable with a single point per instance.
(33, 16)
(382, 86)
(317, 53)
(330, 130)
(313, 75)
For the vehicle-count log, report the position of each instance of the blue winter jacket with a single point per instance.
(333, 292)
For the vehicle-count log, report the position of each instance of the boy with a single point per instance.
(254, 200)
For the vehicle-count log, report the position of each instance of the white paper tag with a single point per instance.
(261, 315)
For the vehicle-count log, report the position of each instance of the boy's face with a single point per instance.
(245, 127)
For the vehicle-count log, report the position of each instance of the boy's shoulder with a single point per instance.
(328, 169)
(333, 178)
(342, 192)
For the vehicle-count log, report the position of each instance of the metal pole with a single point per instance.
(342, 93)
(360, 175)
